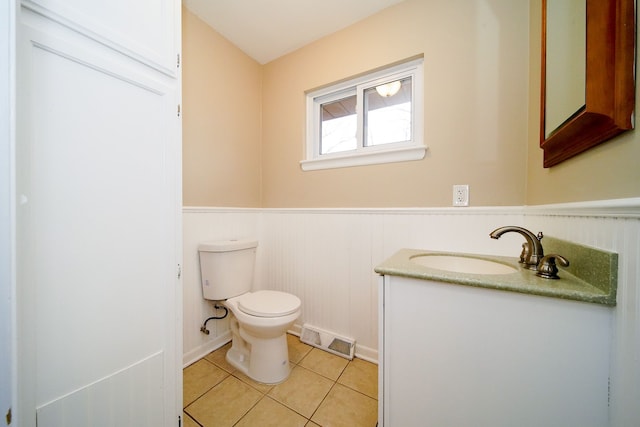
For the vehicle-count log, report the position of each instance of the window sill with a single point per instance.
(362, 159)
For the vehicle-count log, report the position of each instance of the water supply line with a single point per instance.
(203, 328)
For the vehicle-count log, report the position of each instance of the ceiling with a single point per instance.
(268, 29)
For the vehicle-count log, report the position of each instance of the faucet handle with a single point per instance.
(547, 268)
(525, 254)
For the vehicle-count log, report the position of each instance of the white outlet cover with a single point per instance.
(461, 195)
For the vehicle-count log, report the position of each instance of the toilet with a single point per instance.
(259, 320)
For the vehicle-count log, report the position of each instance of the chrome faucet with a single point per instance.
(532, 252)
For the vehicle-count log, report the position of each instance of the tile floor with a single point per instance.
(322, 390)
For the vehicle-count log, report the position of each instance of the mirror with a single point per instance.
(587, 96)
(565, 61)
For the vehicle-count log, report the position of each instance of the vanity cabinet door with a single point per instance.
(465, 356)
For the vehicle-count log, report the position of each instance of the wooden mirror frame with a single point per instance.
(610, 85)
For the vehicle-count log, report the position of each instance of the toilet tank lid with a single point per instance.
(227, 245)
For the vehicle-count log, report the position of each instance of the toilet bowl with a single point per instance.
(259, 320)
(259, 343)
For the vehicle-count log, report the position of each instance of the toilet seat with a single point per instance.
(268, 303)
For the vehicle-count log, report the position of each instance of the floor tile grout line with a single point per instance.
(192, 419)
(266, 395)
(322, 375)
(288, 407)
(293, 409)
(322, 401)
(249, 410)
(216, 365)
(209, 389)
(351, 388)
(333, 386)
(357, 391)
(336, 381)
(327, 395)
(299, 362)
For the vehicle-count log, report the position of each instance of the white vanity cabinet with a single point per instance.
(454, 355)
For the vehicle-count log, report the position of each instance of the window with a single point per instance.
(371, 119)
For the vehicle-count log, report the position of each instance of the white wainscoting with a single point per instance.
(200, 224)
(327, 257)
(613, 226)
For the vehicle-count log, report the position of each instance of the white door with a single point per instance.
(98, 216)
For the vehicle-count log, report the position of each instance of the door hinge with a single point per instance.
(178, 64)
(178, 110)
(179, 421)
(8, 416)
(179, 271)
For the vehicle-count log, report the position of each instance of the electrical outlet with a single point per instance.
(460, 195)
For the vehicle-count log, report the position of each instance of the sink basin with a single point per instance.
(460, 264)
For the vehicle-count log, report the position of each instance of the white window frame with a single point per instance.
(384, 153)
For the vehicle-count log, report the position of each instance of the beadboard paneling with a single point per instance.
(327, 256)
(619, 234)
(201, 224)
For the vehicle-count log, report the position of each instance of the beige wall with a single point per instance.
(221, 119)
(475, 118)
(244, 123)
(608, 171)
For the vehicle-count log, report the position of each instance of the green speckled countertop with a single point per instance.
(522, 280)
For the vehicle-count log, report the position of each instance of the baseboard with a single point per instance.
(206, 348)
(296, 330)
(366, 353)
(361, 352)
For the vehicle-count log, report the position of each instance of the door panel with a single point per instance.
(142, 29)
(98, 160)
(131, 397)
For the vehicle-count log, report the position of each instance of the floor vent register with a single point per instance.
(328, 341)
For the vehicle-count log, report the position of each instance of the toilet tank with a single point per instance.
(226, 268)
